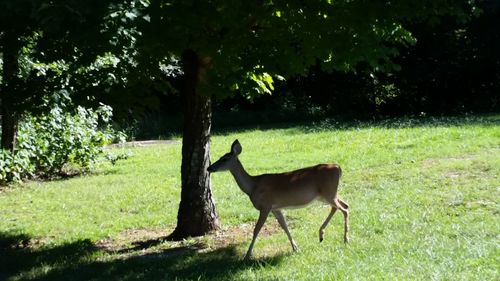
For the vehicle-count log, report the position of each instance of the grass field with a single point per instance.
(424, 197)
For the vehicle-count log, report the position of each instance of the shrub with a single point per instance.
(14, 167)
(48, 143)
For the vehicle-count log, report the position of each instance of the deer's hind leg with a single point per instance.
(344, 207)
(323, 226)
(337, 203)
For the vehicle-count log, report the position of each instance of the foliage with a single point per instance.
(333, 63)
(49, 142)
(249, 43)
(78, 46)
(453, 68)
(114, 52)
(423, 194)
(15, 166)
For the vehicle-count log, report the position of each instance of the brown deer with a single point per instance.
(273, 192)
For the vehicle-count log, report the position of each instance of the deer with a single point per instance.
(295, 189)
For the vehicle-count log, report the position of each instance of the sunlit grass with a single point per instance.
(424, 198)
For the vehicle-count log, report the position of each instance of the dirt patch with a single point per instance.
(241, 233)
(434, 161)
(453, 175)
(153, 242)
(132, 238)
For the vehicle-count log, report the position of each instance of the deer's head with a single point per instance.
(227, 160)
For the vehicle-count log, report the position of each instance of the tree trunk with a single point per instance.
(9, 129)
(10, 50)
(197, 215)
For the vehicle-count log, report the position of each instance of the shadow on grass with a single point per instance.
(82, 260)
(18, 254)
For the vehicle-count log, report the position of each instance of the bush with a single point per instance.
(14, 167)
(50, 142)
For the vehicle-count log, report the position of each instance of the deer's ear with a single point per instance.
(236, 147)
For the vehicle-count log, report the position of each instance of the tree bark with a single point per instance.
(9, 129)
(197, 215)
(10, 50)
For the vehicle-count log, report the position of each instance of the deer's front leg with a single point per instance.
(281, 219)
(260, 222)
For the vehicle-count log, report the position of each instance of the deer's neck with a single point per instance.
(243, 179)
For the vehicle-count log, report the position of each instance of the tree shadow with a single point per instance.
(19, 254)
(82, 260)
(143, 245)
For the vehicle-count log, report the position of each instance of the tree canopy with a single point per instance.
(248, 43)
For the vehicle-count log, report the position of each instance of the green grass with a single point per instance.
(424, 197)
